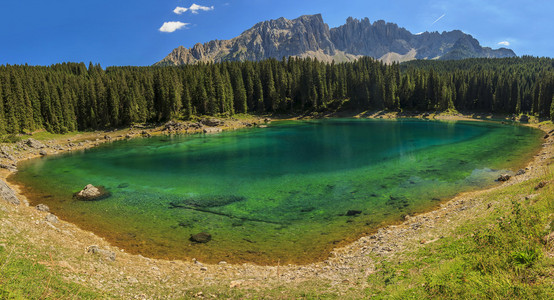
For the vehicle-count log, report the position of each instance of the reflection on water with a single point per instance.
(287, 193)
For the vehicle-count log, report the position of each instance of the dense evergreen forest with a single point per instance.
(71, 96)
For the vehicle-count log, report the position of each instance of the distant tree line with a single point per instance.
(71, 96)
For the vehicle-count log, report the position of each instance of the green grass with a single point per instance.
(23, 277)
(45, 135)
(499, 257)
(10, 138)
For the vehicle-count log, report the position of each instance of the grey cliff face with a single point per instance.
(363, 38)
(309, 36)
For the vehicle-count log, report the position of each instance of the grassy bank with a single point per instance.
(503, 254)
(24, 274)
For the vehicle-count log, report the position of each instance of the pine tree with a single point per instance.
(113, 107)
(239, 96)
(187, 103)
(2, 118)
(174, 103)
(259, 95)
(552, 110)
(270, 95)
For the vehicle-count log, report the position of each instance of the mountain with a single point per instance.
(309, 36)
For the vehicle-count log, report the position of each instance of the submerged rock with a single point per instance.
(91, 193)
(504, 177)
(207, 201)
(353, 212)
(307, 209)
(398, 202)
(202, 237)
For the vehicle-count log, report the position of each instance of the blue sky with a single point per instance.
(124, 32)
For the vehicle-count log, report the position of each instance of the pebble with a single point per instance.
(52, 218)
(236, 283)
(132, 279)
(43, 207)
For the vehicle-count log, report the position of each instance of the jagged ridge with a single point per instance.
(309, 36)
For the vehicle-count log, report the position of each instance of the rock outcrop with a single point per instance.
(9, 167)
(105, 254)
(5, 152)
(8, 194)
(92, 193)
(34, 143)
(309, 36)
(51, 218)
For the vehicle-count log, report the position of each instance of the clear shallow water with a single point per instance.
(273, 195)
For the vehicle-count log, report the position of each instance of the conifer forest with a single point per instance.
(73, 96)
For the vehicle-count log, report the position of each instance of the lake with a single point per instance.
(288, 193)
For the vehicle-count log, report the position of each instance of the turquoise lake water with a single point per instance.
(272, 195)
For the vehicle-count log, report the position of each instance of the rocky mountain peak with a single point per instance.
(310, 36)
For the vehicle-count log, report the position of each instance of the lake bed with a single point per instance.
(288, 193)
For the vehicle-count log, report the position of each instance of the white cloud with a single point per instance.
(194, 8)
(179, 10)
(172, 26)
(504, 43)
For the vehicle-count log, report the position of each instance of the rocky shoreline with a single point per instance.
(11, 154)
(86, 258)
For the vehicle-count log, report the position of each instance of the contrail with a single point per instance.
(439, 19)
